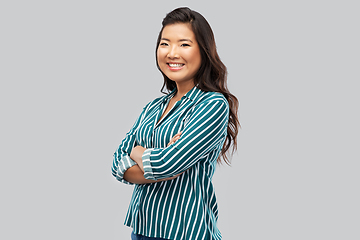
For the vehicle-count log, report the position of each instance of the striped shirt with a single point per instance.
(184, 208)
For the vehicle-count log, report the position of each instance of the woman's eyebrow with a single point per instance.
(181, 40)
(185, 40)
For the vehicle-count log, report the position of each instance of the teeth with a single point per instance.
(175, 64)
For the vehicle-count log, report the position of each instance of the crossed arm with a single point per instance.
(135, 174)
(204, 132)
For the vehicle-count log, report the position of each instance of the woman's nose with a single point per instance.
(173, 53)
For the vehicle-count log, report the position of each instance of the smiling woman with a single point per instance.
(171, 152)
(178, 54)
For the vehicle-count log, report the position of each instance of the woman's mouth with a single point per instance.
(175, 66)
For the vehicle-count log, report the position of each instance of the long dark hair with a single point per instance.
(212, 74)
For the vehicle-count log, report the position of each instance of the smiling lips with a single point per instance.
(175, 66)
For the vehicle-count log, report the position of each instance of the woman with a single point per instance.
(171, 151)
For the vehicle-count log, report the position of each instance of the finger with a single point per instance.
(173, 140)
(178, 134)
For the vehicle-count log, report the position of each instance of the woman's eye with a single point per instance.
(163, 44)
(185, 45)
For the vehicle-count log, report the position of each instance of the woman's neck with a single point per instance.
(183, 88)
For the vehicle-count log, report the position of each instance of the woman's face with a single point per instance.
(178, 53)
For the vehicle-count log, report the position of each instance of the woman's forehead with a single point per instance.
(178, 31)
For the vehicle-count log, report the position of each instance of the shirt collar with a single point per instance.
(169, 95)
(192, 94)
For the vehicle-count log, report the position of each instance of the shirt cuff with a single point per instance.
(124, 165)
(148, 173)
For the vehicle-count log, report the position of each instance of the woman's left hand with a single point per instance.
(174, 138)
(138, 151)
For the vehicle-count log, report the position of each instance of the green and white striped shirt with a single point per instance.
(184, 208)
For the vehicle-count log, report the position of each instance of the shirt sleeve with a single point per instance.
(122, 160)
(205, 131)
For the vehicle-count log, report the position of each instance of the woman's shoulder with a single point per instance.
(206, 97)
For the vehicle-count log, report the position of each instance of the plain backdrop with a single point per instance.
(76, 74)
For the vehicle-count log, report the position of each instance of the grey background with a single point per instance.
(76, 74)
